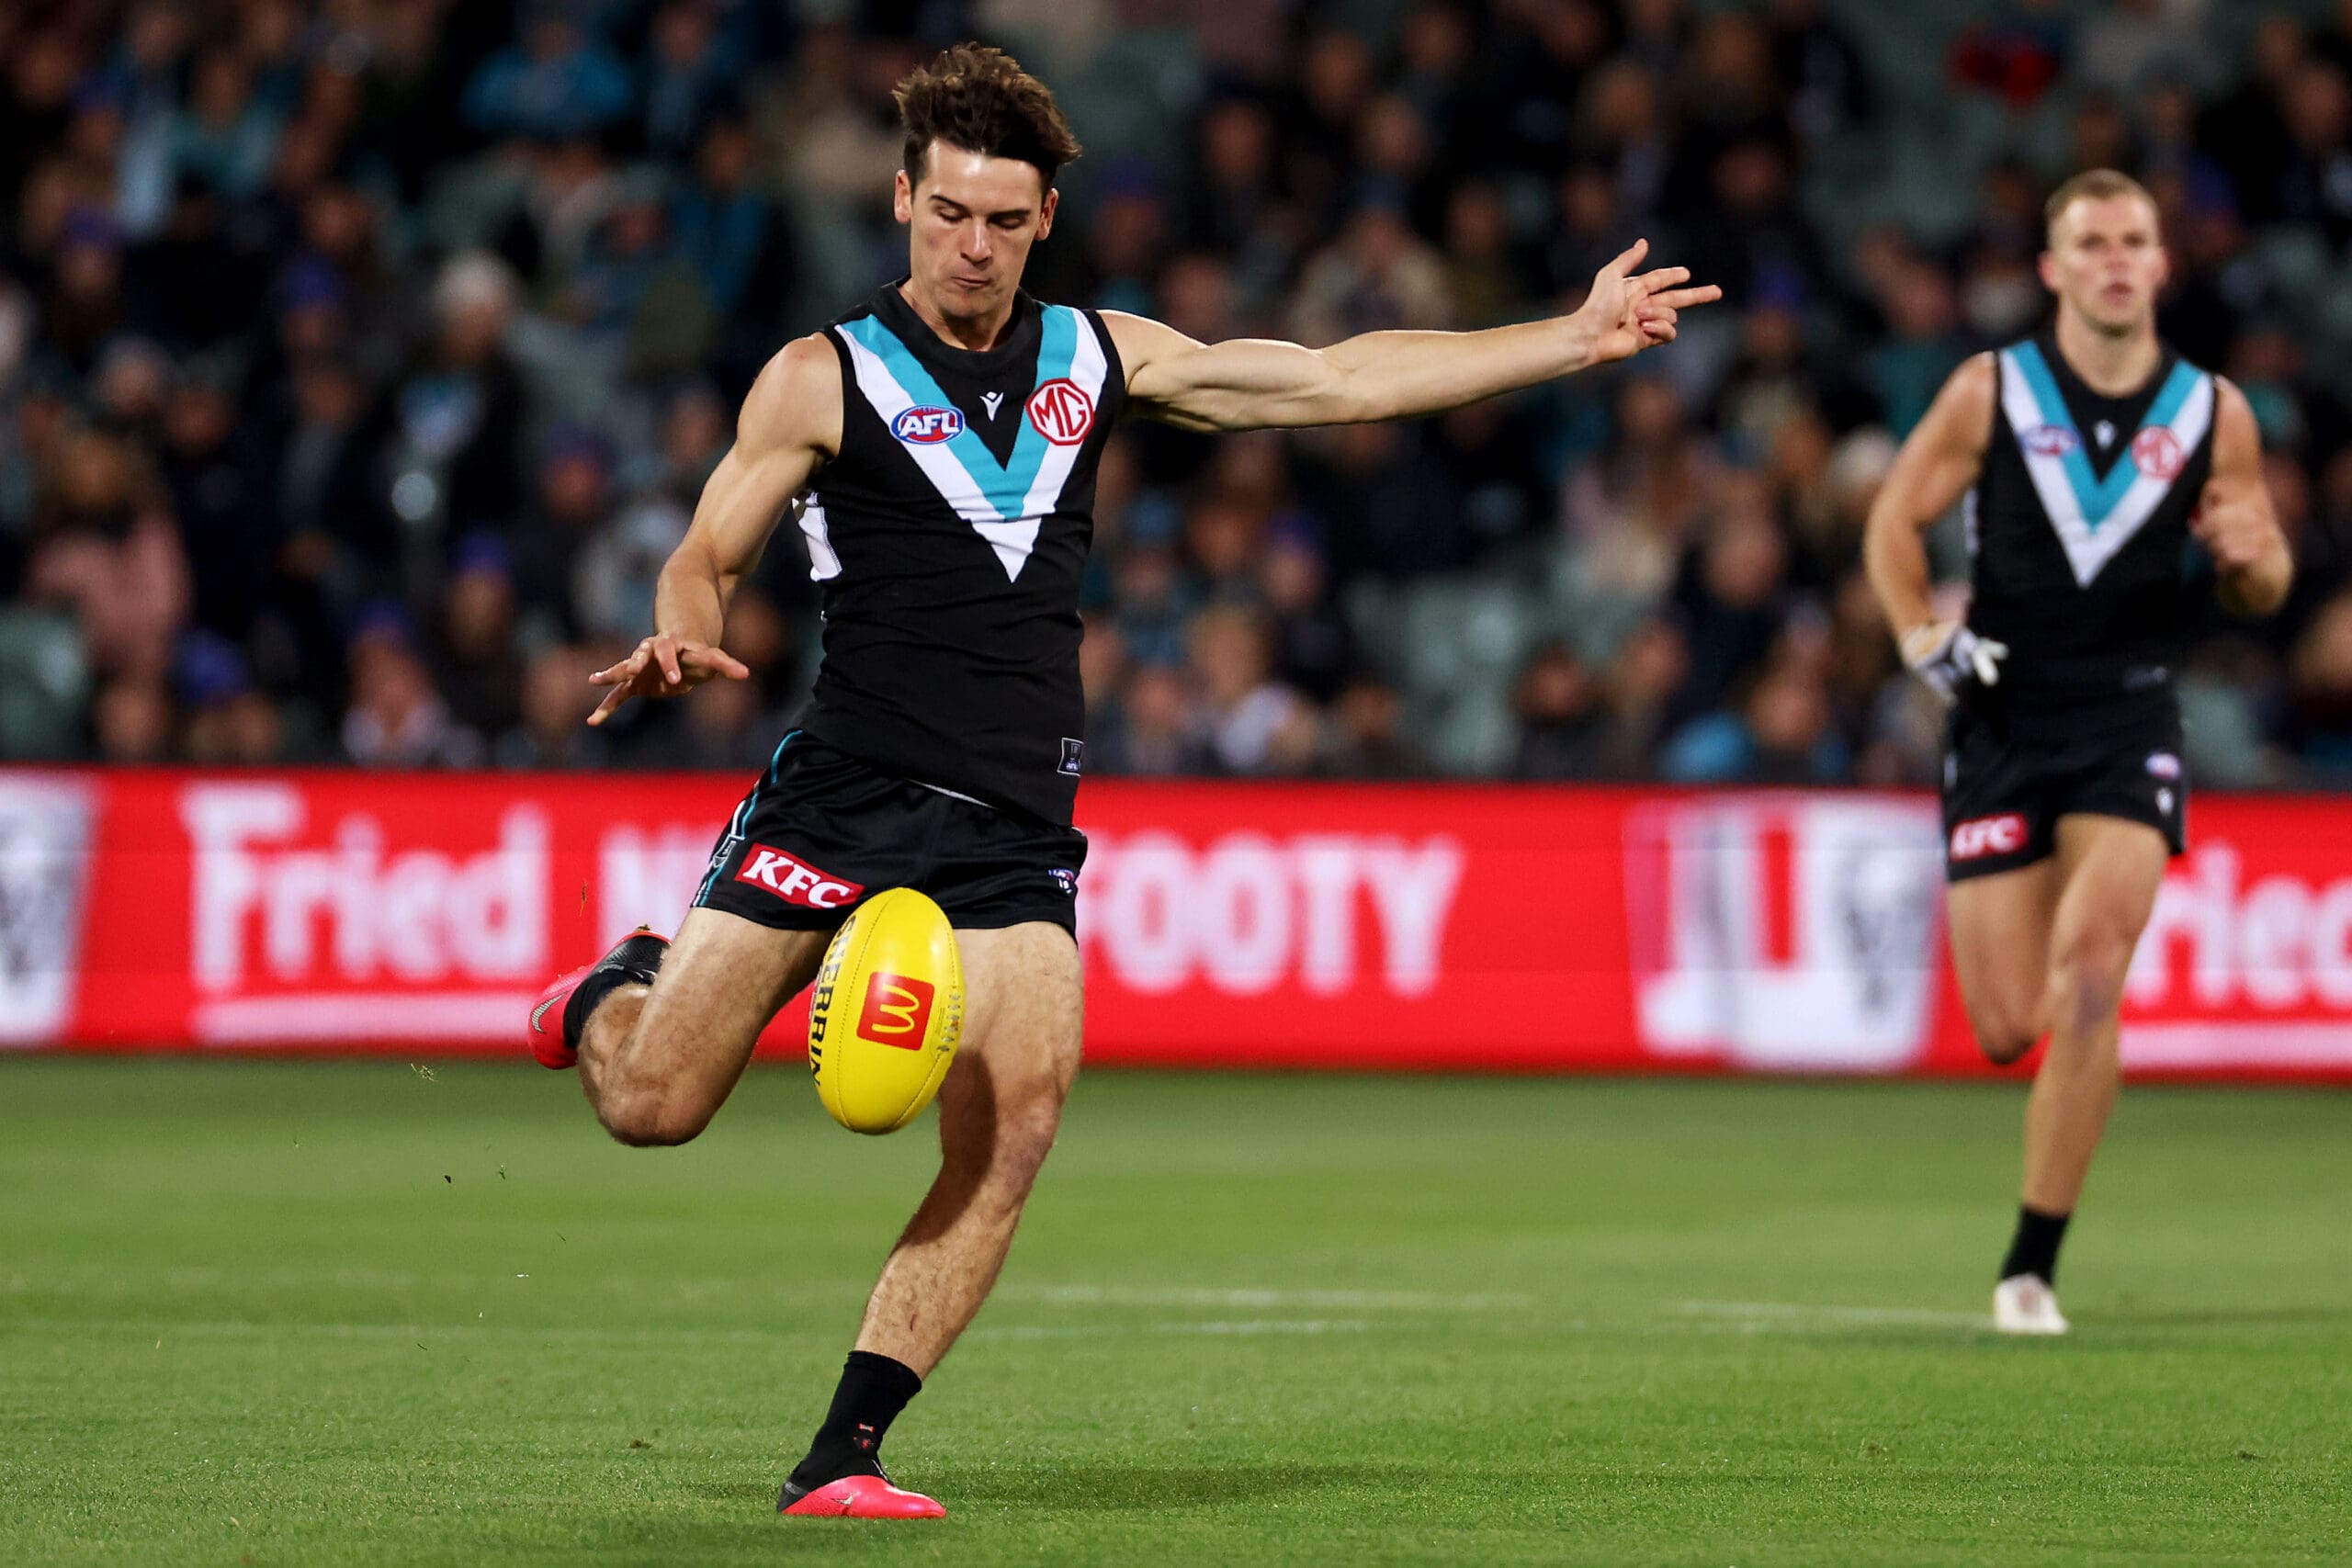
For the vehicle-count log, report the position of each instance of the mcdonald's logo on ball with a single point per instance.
(887, 1013)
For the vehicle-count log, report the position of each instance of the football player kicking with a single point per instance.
(2090, 457)
(949, 429)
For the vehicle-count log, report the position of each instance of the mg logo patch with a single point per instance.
(897, 1011)
(928, 426)
(2156, 453)
(1062, 412)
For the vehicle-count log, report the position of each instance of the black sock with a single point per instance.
(633, 963)
(2035, 1248)
(873, 1389)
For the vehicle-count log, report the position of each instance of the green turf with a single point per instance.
(273, 1312)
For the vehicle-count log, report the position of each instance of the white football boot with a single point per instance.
(2024, 1303)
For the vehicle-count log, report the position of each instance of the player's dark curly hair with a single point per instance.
(979, 99)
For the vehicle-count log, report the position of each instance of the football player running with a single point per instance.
(943, 438)
(2089, 457)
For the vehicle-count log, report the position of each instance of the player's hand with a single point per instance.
(663, 666)
(1948, 657)
(2233, 529)
(1626, 313)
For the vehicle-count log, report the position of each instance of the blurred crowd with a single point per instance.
(361, 360)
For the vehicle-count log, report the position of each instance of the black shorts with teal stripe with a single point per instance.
(821, 831)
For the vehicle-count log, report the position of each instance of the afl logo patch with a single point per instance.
(2156, 453)
(1062, 412)
(2050, 441)
(927, 426)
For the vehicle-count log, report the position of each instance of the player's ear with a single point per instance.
(2046, 263)
(1046, 211)
(902, 198)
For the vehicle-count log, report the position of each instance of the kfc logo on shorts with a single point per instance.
(2050, 441)
(2156, 453)
(897, 1011)
(1062, 412)
(796, 881)
(1982, 836)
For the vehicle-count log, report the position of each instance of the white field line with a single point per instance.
(1270, 1300)
(1803, 1315)
(1244, 1329)
(232, 1329)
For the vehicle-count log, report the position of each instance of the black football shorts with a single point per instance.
(2004, 789)
(821, 831)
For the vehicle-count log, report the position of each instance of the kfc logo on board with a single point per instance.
(796, 881)
(2002, 835)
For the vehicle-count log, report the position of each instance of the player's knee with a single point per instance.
(2086, 977)
(645, 1119)
(2006, 1036)
(1026, 1121)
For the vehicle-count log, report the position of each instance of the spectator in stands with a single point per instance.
(557, 82)
(228, 721)
(457, 414)
(477, 663)
(396, 718)
(1364, 736)
(688, 79)
(574, 503)
(1253, 723)
(299, 308)
(1562, 716)
(1778, 734)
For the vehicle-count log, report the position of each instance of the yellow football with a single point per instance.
(887, 1012)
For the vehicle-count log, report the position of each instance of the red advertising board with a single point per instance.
(1421, 927)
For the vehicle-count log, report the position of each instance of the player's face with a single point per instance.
(2107, 262)
(970, 220)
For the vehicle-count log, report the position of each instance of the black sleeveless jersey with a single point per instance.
(2078, 538)
(949, 536)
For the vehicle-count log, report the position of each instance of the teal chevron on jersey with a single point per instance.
(1004, 488)
(2094, 517)
(2098, 498)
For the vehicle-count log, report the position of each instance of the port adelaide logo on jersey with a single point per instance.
(927, 425)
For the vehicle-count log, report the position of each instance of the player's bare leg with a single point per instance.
(998, 1111)
(998, 1114)
(2045, 948)
(657, 1062)
(2000, 949)
(2112, 869)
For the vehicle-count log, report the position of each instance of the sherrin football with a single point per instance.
(887, 1011)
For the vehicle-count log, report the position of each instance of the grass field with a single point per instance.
(370, 1313)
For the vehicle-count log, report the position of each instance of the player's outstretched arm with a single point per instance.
(1258, 383)
(2233, 520)
(1939, 459)
(790, 423)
